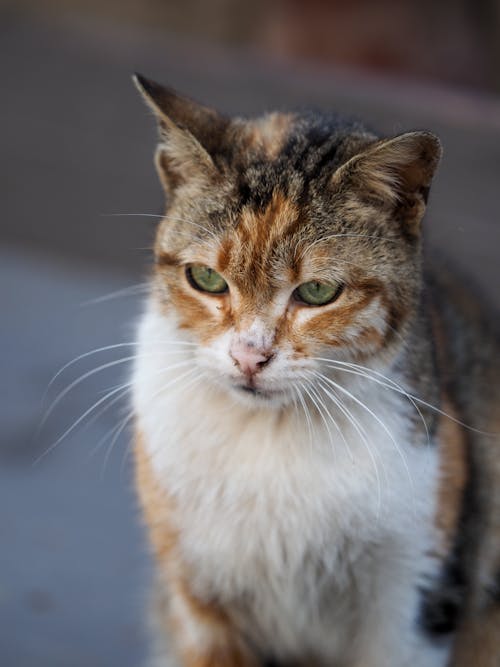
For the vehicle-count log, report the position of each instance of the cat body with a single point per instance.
(275, 527)
(305, 503)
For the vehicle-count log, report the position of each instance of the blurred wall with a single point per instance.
(454, 41)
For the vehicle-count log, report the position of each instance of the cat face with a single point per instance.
(287, 241)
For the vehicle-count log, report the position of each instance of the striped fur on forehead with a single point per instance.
(307, 149)
(262, 253)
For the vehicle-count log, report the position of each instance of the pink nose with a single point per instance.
(249, 359)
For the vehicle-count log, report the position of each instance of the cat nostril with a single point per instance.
(264, 362)
(248, 359)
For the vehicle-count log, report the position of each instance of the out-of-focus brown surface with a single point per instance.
(453, 41)
(75, 169)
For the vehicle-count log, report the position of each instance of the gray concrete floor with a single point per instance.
(73, 572)
(76, 146)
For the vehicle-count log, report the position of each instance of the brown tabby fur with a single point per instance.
(255, 188)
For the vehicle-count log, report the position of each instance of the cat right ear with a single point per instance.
(187, 133)
(395, 173)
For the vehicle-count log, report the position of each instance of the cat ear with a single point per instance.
(188, 132)
(396, 173)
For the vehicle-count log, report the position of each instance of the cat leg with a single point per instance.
(478, 642)
(190, 632)
(201, 635)
(409, 650)
(391, 635)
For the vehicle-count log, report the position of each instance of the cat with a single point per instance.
(315, 409)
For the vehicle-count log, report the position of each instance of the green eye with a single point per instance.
(317, 294)
(206, 279)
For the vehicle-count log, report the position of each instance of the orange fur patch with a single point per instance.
(330, 326)
(255, 256)
(222, 645)
(453, 475)
(156, 506)
(478, 643)
(452, 444)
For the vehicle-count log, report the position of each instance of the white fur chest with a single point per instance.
(275, 519)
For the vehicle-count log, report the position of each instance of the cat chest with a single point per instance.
(273, 542)
(288, 540)
(275, 561)
(252, 511)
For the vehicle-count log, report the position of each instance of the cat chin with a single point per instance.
(260, 398)
(252, 397)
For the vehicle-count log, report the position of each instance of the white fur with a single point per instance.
(325, 544)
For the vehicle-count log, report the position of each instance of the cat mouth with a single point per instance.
(252, 390)
(247, 388)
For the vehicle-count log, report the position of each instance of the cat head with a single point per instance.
(288, 239)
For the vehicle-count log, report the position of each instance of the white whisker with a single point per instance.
(102, 440)
(131, 290)
(78, 381)
(339, 405)
(318, 403)
(381, 423)
(75, 424)
(105, 349)
(388, 383)
(96, 405)
(168, 217)
(360, 431)
(183, 387)
(308, 418)
(294, 401)
(417, 399)
(118, 431)
(142, 215)
(126, 389)
(118, 428)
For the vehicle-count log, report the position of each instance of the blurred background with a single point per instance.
(78, 193)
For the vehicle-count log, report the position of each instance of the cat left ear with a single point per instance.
(189, 133)
(396, 173)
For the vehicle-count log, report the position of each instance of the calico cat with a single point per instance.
(315, 411)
